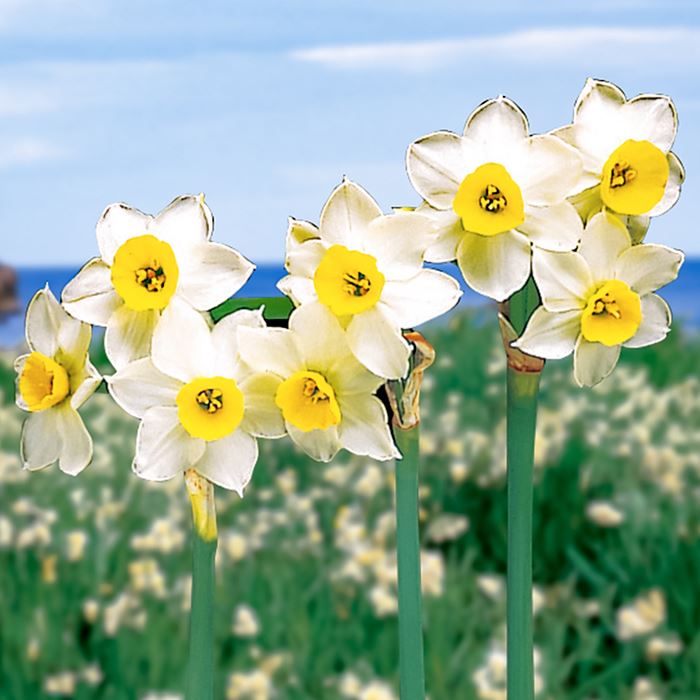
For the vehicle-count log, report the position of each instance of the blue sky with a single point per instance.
(265, 105)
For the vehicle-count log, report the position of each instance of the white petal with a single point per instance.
(436, 165)
(376, 341)
(43, 322)
(90, 296)
(399, 242)
(270, 350)
(549, 171)
(651, 118)
(19, 368)
(427, 295)
(128, 335)
(118, 223)
(229, 462)
(676, 176)
(563, 279)
(496, 266)
(549, 334)
(76, 443)
(41, 441)
(185, 222)
(319, 336)
(648, 266)
(497, 121)
(89, 379)
(212, 273)
(347, 214)
(321, 445)
(303, 258)
(557, 227)
(364, 428)
(348, 376)
(262, 416)
(163, 447)
(448, 234)
(299, 231)
(140, 386)
(603, 241)
(593, 362)
(300, 290)
(224, 337)
(655, 325)
(182, 343)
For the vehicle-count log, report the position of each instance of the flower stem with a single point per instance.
(200, 672)
(408, 553)
(523, 380)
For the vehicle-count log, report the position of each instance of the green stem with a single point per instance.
(522, 389)
(200, 670)
(408, 553)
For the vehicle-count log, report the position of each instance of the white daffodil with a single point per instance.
(494, 191)
(325, 395)
(199, 406)
(367, 268)
(147, 261)
(54, 380)
(626, 149)
(600, 298)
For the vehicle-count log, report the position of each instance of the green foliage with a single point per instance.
(310, 547)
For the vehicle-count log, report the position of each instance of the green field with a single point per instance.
(94, 570)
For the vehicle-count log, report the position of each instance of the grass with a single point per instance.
(310, 549)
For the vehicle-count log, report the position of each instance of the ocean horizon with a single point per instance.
(683, 294)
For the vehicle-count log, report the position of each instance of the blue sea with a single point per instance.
(683, 295)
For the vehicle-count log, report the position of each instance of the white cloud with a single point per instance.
(619, 46)
(28, 152)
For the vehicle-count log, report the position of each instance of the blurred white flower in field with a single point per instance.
(446, 527)
(200, 407)
(432, 567)
(604, 513)
(377, 690)
(91, 610)
(324, 394)
(490, 678)
(642, 616)
(492, 586)
(6, 531)
(626, 149)
(92, 674)
(145, 262)
(644, 690)
(349, 685)
(62, 684)
(667, 645)
(493, 192)
(53, 381)
(245, 622)
(367, 269)
(250, 685)
(599, 298)
(384, 601)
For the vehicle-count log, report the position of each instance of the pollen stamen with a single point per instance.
(312, 391)
(357, 285)
(621, 174)
(152, 279)
(606, 304)
(493, 200)
(210, 400)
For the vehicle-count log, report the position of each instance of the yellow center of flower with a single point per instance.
(489, 201)
(308, 401)
(347, 281)
(145, 273)
(210, 408)
(634, 178)
(612, 315)
(43, 382)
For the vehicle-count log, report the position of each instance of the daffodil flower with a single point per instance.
(53, 381)
(367, 269)
(493, 192)
(600, 298)
(626, 149)
(325, 395)
(200, 406)
(147, 261)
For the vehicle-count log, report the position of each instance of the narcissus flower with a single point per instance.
(600, 298)
(199, 406)
(626, 148)
(54, 380)
(324, 394)
(145, 262)
(366, 268)
(494, 191)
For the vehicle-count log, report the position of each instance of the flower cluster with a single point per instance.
(569, 208)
